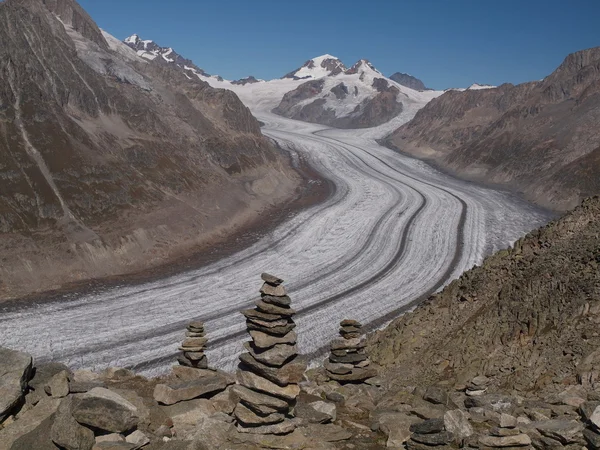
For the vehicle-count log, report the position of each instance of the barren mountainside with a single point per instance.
(527, 317)
(101, 150)
(541, 137)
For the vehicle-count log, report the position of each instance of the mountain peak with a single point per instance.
(408, 81)
(363, 66)
(321, 66)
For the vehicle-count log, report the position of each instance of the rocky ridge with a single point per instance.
(540, 138)
(409, 81)
(102, 148)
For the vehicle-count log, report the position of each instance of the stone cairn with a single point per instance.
(348, 360)
(193, 347)
(270, 370)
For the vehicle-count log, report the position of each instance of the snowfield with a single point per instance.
(394, 231)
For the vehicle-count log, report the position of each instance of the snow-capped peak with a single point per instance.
(319, 67)
(363, 66)
(477, 87)
(133, 39)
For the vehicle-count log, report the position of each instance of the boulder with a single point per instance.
(329, 409)
(396, 426)
(441, 438)
(436, 395)
(58, 385)
(564, 431)
(586, 410)
(105, 410)
(592, 438)
(457, 422)
(428, 426)
(36, 439)
(28, 421)
(178, 392)
(508, 421)
(290, 373)
(67, 433)
(258, 383)
(15, 372)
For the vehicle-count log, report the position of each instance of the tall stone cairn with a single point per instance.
(270, 370)
(193, 347)
(348, 361)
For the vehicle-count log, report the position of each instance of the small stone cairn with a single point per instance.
(270, 370)
(348, 361)
(193, 347)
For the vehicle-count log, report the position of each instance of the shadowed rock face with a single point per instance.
(541, 138)
(409, 81)
(100, 152)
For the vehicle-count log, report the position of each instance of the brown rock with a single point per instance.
(275, 356)
(275, 291)
(271, 279)
(284, 301)
(290, 373)
(266, 341)
(258, 383)
(249, 418)
(276, 331)
(174, 393)
(274, 309)
(258, 399)
(255, 314)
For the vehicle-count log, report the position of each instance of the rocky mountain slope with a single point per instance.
(100, 149)
(358, 97)
(408, 81)
(540, 137)
(527, 317)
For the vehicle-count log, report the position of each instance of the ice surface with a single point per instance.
(394, 230)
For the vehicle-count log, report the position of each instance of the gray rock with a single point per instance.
(457, 422)
(595, 418)
(357, 374)
(586, 410)
(271, 279)
(252, 314)
(169, 394)
(496, 431)
(351, 358)
(285, 427)
(428, 426)
(258, 383)
(520, 440)
(28, 421)
(436, 395)
(113, 446)
(268, 308)
(592, 438)
(138, 439)
(396, 426)
(327, 433)
(248, 417)
(106, 410)
(37, 439)
(80, 387)
(289, 373)
(58, 386)
(67, 433)
(496, 402)
(275, 330)
(275, 291)
(284, 301)
(345, 344)
(266, 341)
(508, 421)
(275, 356)
(262, 402)
(112, 437)
(329, 409)
(336, 368)
(441, 438)
(564, 431)
(15, 372)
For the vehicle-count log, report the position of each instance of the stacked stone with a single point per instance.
(477, 386)
(193, 347)
(270, 371)
(348, 361)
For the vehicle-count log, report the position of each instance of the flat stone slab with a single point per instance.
(290, 373)
(564, 431)
(285, 427)
(350, 323)
(265, 341)
(15, 372)
(255, 314)
(28, 421)
(248, 417)
(336, 368)
(275, 291)
(239, 392)
(345, 344)
(275, 356)
(519, 440)
(275, 331)
(284, 301)
(174, 393)
(274, 309)
(357, 374)
(271, 279)
(258, 383)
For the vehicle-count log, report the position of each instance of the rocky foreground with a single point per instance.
(506, 357)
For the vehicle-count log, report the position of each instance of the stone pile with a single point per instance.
(430, 433)
(477, 386)
(193, 347)
(506, 434)
(270, 370)
(348, 360)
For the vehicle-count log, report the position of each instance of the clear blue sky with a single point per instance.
(446, 43)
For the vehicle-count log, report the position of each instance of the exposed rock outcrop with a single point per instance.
(540, 138)
(101, 148)
(409, 81)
